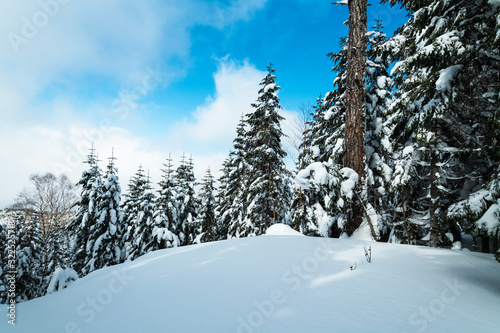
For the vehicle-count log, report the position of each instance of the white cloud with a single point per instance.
(60, 40)
(61, 146)
(53, 97)
(236, 89)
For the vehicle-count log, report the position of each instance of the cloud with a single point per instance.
(69, 76)
(236, 86)
(209, 135)
(49, 41)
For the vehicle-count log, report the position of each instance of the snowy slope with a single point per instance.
(277, 283)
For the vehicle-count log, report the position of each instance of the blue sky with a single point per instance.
(151, 78)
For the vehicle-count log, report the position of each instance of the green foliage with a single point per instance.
(267, 176)
(80, 227)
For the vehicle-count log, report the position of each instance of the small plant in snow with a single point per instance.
(368, 253)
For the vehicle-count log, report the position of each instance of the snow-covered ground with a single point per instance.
(277, 283)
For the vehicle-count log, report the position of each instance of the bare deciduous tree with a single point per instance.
(50, 198)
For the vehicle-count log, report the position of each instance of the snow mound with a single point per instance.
(282, 229)
(276, 285)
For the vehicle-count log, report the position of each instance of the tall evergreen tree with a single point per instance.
(144, 223)
(268, 187)
(326, 152)
(165, 214)
(378, 149)
(57, 249)
(479, 214)
(233, 191)
(186, 203)
(131, 209)
(86, 216)
(103, 243)
(30, 279)
(207, 220)
(443, 128)
(307, 202)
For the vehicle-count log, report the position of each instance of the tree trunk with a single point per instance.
(485, 243)
(355, 103)
(433, 207)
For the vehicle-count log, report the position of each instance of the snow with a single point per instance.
(446, 76)
(315, 151)
(350, 181)
(270, 86)
(315, 172)
(491, 219)
(283, 230)
(381, 82)
(495, 3)
(277, 284)
(61, 278)
(364, 231)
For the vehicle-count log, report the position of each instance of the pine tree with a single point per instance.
(378, 149)
(144, 223)
(30, 279)
(132, 209)
(442, 129)
(186, 203)
(57, 249)
(86, 216)
(327, 136)
(165, 213)
(299, 201)
(233, 191)
(207, 220)
(58, 271)
(479, 214)
(103, 242)
(268, 187)
(305, 219)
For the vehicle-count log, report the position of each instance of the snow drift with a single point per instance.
(277, 284)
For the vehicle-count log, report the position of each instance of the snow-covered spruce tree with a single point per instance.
(130, 210)
(132, 235)
(480, 214)
(58, 255)
(223, 204)
(327, 146)
(81, 225)
(268, 186)
(326, 153)
(30, 279)
(186, 203)
(207, 219)
(144, 223)
(165, 213)
(308, 211)
(378, 149)
(103, 247)
(57, 249)
(300, 199)
(233, 190)
(443, 51)
(328, 129)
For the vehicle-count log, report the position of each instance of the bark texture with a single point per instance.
(355, 108)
